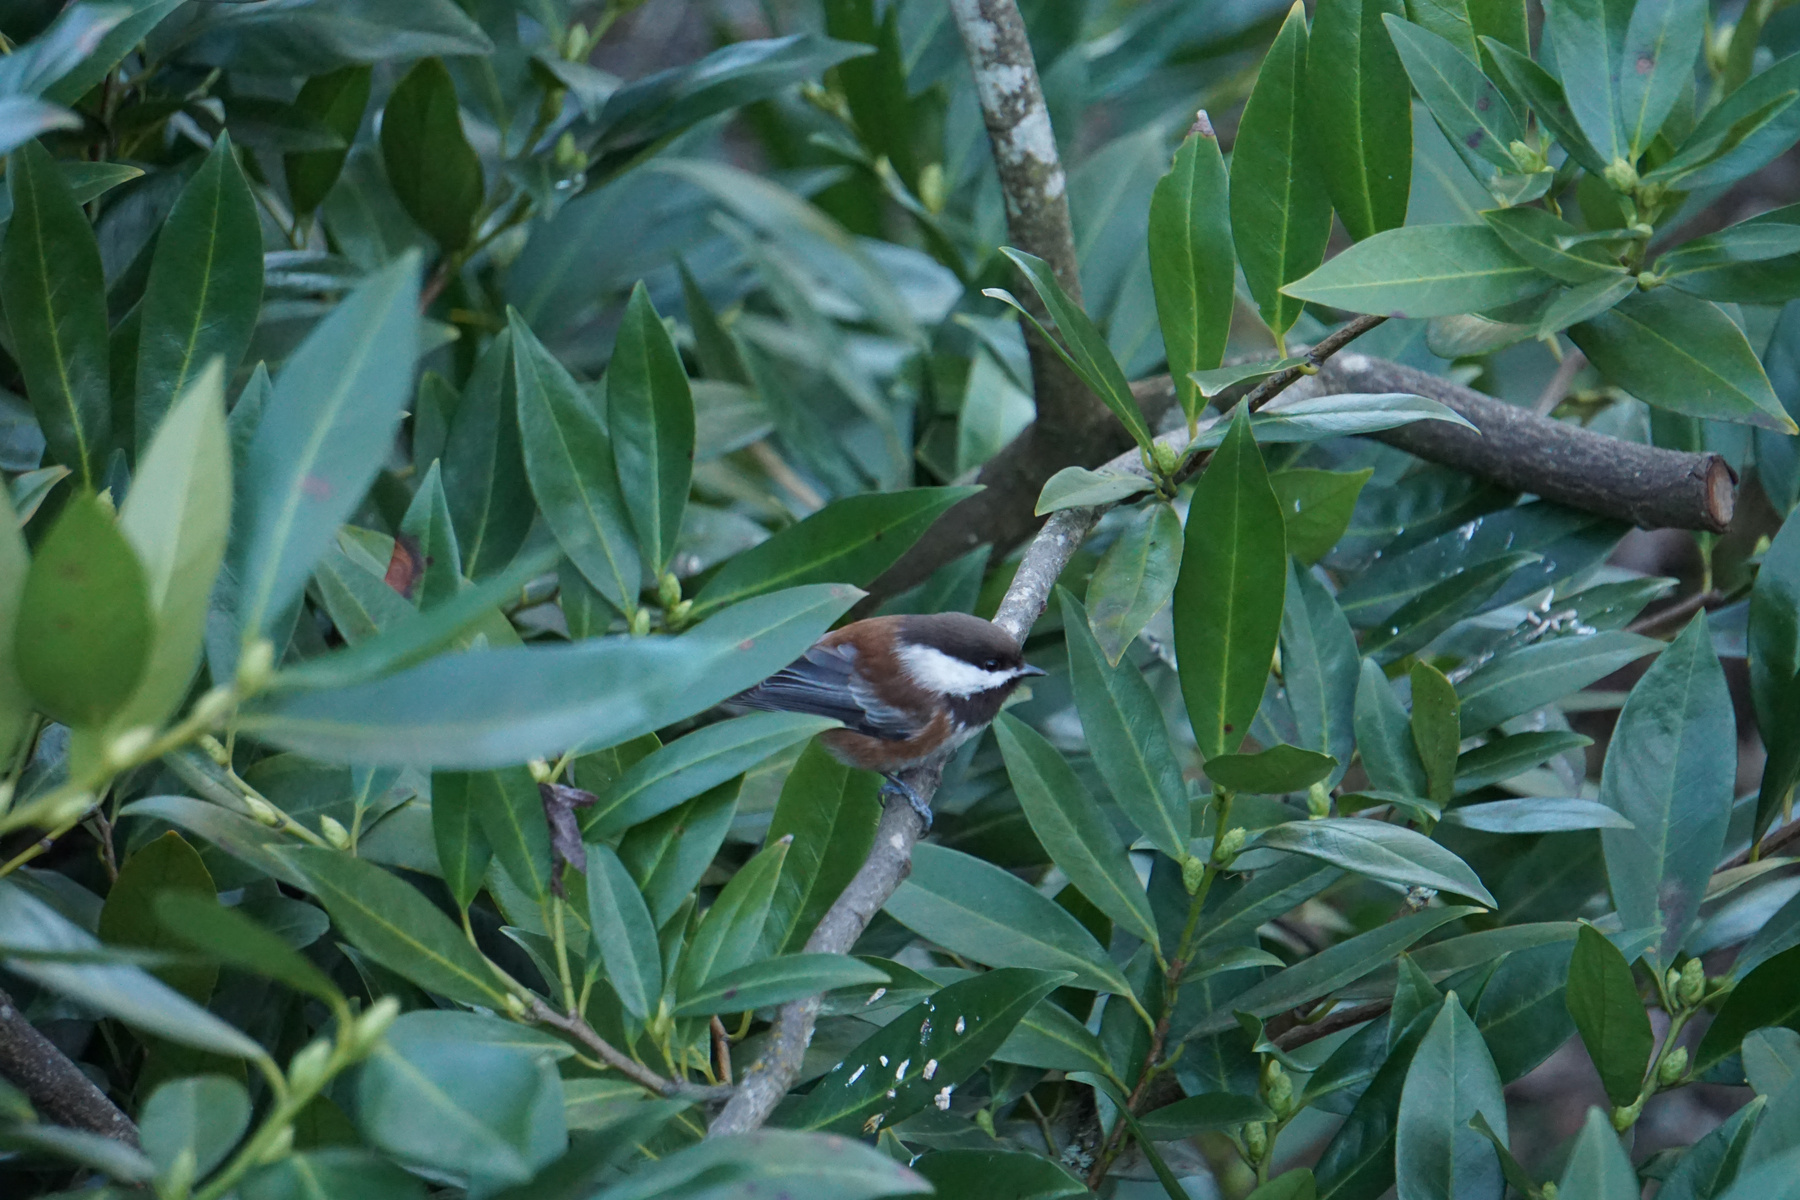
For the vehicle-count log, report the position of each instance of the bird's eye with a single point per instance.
(992, 664)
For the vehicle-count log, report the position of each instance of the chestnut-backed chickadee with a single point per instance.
(908, 689)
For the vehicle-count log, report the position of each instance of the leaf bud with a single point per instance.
(123, 750)
(1529, 159)
(178, 1181)
(1193, 872)
(310, 1067)
(568, 157)
(516, 1008)
(262, 812)
(640, 622)
(1256, 1140)
(1165, 458)
(1318, 800)
(279, 1147)
(1278, 1088)
(985, 1119)
(932, 191)
(212, 708)
(1673, 1066)
(677, 615)
(373, 1025)
(1547, 1190)
(334, 832)
(255, 665)
(1626, 1115)
(1693, 982)
(668, 590)
(1228, 845)
(540, 770)
(1621, 176)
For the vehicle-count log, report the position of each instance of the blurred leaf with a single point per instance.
(360, 603)
(1330, 969)
(463, 851)
(1229, 594)
(1050, 1038)
(1191, 262)
(848, 541)
(623, 933)
(435, 173)
(54, 292)
(831, 811)
(1545, 95)
(1316, 418)
(1450, 1081)
(327, 34)
(1316, 507)
(1598, 1167)
(1603, 999)
(120, 31)
(1662, 40)
(15, 562)
(1539, 238)
(1127, 736)
(125, 992)
(1520, 680)
(934, 1045)
(202, 1117)
(776, 981)
(1746, 130)
(484, 467)
(1207, 1113)
(1535, 814)
(1380, 851)
(395, 925)
(1774, 639)
(1280, 210)
(667, 855)
(1134, 578)
(1436, 729)
(1276, 771)
(427, 522)
(234, 938)
(1473, 113)
(507, 706)
(177, 517)
(1504, 757)
(651, 417)
(338, 99)
(1082, 345)
(1384, 736)
(1359, 114)
(332, 1173)
(511, 816)
(1072, 828)
(1320, 669)
(1684, 355)
(204, 292)
(997, 1175)
(239, 836)
(324, 434)
(1764, 997)
(1078, 487)
(1669, 771)
(164, 866)
(805, 1166)
(1424, 271)
(731, 932)
(1710, 1166)
(973, 908)
(84, 629)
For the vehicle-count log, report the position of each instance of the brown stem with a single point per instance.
(1683, 608)
(56, 1087)
(1559, 384)
(721, 1051)
(1766, 847)
(615, 1058)
(1275, 384)
(1332, 1023)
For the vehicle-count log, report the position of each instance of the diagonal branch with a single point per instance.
(56, 1087)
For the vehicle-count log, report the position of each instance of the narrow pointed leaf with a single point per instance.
(1450, 1081)
(435, 173)
(1589, 39)
(1380, 851)
(1424, 271)
(1609, 1015)
(831, 811)
(776, 981)
(1319, 668)
(624, 933)
(1191, 261)
(1360, 114)
(1662, 40)
(651, 418)
(1134, 579)
(1468, 107)
(1774, 638)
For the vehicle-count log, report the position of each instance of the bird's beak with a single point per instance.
(1028, 670)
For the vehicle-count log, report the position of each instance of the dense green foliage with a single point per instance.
(411, 426)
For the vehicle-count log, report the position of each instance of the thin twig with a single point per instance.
(604, 1050)
(721, 1051)
(1683, 608)
(1559, 384)
(1329, 345)
(1332, 1023)
(1771, 843)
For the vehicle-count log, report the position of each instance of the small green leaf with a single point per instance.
(1743, 133)
(85, 628)
(1536, 814)
(1359, 114)
(1520, 680)
(1078, 487)
(623, 933)
(1470, 109)
(1316, 507)
(1603, 999)
(1539, 239)
(776, 981)
(1598, 1167)
(1229, 595)
(1072, 828)
(511, 816)
(485, 479)
(1380, 851)
(1589, 40)
(1436, 729)
(165, 866)
(1134, 578)
(1191, 262)
(337, 98)
(1319, 668)
(1545, 96)
(1280, 209)
(1584, 302)
(1764, 997)
(1276, 771)
(731, 932)
(667, 855)
(15, 562)
(1384, 736)
(1424, 271)
(1504, 757)
(1050, 1038)
(1206, 1113)
(981, 1174)
(463, 852)
(435, 173)
(1662, 40)
(650, 414)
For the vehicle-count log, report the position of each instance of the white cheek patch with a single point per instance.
(936, 671)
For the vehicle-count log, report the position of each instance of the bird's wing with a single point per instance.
(824, 681)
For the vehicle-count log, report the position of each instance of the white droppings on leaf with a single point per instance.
(900, 1074)
(857, 1074)
(891, 1093)
(877, 994)
(942, 1099)
(931, 1068)
(924, 1030)
(960, 1025)
(882, 1059)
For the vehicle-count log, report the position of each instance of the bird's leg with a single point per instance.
(893, 785)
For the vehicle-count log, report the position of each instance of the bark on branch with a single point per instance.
(56, 1087)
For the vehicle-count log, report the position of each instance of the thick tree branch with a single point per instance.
(55, 1086)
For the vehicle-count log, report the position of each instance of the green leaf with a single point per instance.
(1764, 997)
(1774, 639)
(1436, 729)
(1419, 621)
(1541, 240)
(511, 816)
(1276, 771)
(569, 461)
(202, 1117)
(1450, 1081)
(435, 173)
(1669, 771)
(1050, 1038)
(651, 417)
(1379, 851)
(1295, 1184)
(231, 937)
(1082, 347)
(1359, 1161)
(338, 99)
(689, 765)
(1211, 1112)
(1280, 210)
(238, 836)
(731, 932)
(463, 851)
(327, 428)
(1191, 262)
(15, 562)
(803, 1166)
(395, 925)
(427, 522)
(1505, 757)
(1742, 134)
(623, 933)
(1424, 271)
(1684, 355)
(126, 992)
(667, 855)
(177, 517)
(1222, 379)
(934, 1045)
(1078, 487)
(1589, 40)
(484, 466)
(332, 1173)
(1126, 735)
(98, 58)
(1316, 507)
(1546, 97)
(1662, 40)
(1134, 578)
(1072, 828)
(1359, 114)
(973, 908)
(1330, 969)
(205, 288)
(1521, 680)
(1319, 668)
(1473, 113)
(166, 865)
(1603, 1000)
(361, 603)
(995, 1174)
(1384, 736)
(831, 811)
(1710, 1166)
(85, 628)
(507, 706)
(1584, 302)
(848, 541)
(776, 981)
(54, 292)
(1317, 418)
(1598, 1168)
(1536, 814)
(1229, 594)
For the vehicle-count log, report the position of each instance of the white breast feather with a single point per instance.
(936, 671)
